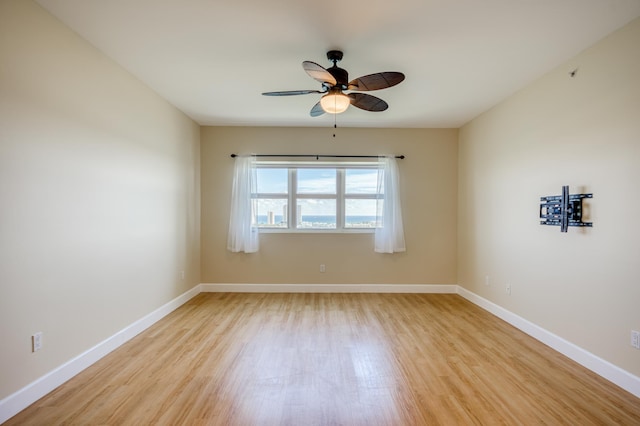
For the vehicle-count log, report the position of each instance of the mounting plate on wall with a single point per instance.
(563, 210)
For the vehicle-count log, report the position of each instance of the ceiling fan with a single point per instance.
(335, 81)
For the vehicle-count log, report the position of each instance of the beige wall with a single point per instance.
(99, 196)
(584, 132)
(429, 186)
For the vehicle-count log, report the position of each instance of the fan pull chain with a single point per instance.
(335, 126)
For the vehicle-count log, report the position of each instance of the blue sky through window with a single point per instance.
(272, 181)
(361, 181)
(316, 181)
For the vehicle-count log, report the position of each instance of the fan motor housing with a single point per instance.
(341, 76)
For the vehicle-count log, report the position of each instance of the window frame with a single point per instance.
(340, 195)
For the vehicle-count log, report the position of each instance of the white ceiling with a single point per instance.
(212, 59)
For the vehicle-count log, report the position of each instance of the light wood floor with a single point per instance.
(333, 359)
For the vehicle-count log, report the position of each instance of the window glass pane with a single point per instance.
(316, 181)
(360, 213)
(272, 213)
(316, 213)
(315, 197)
(272, 181)
(361, 181)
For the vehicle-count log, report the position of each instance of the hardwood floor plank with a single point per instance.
(329, 359)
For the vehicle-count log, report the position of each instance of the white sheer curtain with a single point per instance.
(389, 236)
(243, 228)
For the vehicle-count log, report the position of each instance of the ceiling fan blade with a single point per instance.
(318, 72)
(317, 110)
(291, 92)
(367, 102)
(377, 81)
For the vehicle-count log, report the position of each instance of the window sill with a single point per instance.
(316, 231)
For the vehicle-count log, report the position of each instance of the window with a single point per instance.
(316, 196)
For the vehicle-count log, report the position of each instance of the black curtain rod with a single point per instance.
(401, 157)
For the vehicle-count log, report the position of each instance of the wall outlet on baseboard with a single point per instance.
(635, 339)
(323, 268)
(508, 289)
(487, 281)
(36, 342)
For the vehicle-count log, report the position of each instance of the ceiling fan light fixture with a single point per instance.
(335, 103)
(334, 80)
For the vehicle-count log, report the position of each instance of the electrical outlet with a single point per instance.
(487, 282)
(635, 339)
(36, 342)
(323, 268)
(182, 275)
(508, 289)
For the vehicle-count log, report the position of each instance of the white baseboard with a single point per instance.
(18, 401)
(605, 369)
(329, 288)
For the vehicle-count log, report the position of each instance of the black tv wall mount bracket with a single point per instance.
(563, 210)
